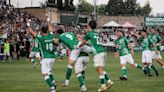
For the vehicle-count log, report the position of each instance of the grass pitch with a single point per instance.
(19, 76)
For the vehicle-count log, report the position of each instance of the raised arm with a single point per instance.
(30, 30)
(51, 27)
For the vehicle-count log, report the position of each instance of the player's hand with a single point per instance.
(76, 47)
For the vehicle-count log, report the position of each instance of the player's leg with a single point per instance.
(72, 58)
(79, 70)
(123, 67)
(158, 58)
(46, 68)
(149, 59)
(135, 65)
(99, 63)
(131, 62)
(50, 73)
(145, 64)
(109, 83)
(4, 57)
(31, 58)
(8, 56)
(37, 55)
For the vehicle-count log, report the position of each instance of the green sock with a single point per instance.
(148, 70)
(69, 72)
(102, 79)
(138, 66)
(49, 81)
(52, 78)
(106, 76)
(124, 72)
(83, 74)
(33, 61)
(81, 80)
(153, 67)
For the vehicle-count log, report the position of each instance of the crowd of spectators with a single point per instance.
(13, 28)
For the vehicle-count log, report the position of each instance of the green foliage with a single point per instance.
(127, 7)
(101, 9)
(84, 7)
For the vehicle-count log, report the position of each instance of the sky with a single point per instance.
(157, 5)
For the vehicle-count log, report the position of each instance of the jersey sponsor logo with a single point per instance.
(51, 40)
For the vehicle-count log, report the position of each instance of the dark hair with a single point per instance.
(44, 28)
(93, 24)
(144, 31)
(60, 31)
(153, 28)
(120, 31)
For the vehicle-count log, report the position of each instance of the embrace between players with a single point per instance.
(80, 48)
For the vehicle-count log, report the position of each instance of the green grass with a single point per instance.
(19, 76)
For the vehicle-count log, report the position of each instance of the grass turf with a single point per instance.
(19, 76)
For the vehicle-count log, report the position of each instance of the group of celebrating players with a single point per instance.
(80, 46)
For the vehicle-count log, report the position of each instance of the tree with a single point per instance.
(115, 7)
(101, 9)
(146, 10)
(127, 7)
(84, 7)
(130, 7)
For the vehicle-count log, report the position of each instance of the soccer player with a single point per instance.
(70, 40)
(146, 43)
(6, 50)
(156, 39)
(34, 51)
(46, 40)
(99, 57)
(80, 66)
(124, 50)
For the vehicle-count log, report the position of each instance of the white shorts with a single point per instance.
(81, 63)
(63, 51)
(146, 56)
(99, 59)
(34, 54)
(6, 53)
(74, 54)
(156, 56)
(46, 65)
(126, 59)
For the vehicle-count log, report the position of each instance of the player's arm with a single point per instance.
(129, 45)
(116, 51)
(51, 27)
(153, 44)
(32, 45)
(30, 30)
(159, 40)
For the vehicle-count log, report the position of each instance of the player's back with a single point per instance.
(47, 45)
(69, 39)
